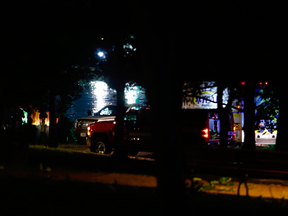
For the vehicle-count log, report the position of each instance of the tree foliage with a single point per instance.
(268, 108)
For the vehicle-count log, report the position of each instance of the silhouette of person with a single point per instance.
(43, 136)
(19, 115)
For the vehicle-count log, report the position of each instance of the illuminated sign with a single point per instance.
(207, 99)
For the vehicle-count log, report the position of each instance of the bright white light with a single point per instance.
(128, 46)
(131, 95)
(102, 94)
(100, 54)
(100, 91)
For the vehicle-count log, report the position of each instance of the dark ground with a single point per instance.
(28, 189)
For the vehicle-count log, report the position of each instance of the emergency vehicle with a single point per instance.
(265, 136)
(198, 127)
(212, 132)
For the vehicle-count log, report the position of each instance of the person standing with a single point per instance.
(43, 136)
(19, 115)
(35, 123)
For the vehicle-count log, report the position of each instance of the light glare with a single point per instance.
(100, 54)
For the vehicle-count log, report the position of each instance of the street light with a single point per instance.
(100, 54)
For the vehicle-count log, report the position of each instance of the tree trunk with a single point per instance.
(224, 128)
(169, 149)
(226, 119)
(281, 140)
(53, 141)
(164, 65)
(249, 115)
(222, 116)
(2, 120)
(119, 127)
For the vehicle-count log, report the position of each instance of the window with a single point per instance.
(131, 116)
(145, 116)
(108, 111)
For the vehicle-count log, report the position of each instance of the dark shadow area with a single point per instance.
(38, 195)
(87, 162)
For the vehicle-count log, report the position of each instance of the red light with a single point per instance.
(242, 83)
(205, 131)
(238, 106)
(260, 83)
(266, 83)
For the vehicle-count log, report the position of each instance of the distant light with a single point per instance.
(260, 83)
(100, 92)
(128, 46)
(266, 83)
(131, 94)
(242, 83)
(100, 54)
(102, 38)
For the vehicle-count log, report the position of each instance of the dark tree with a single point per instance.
(249, 115)
(281, 141)
(224, 113)
(43, 42)
(273, 100)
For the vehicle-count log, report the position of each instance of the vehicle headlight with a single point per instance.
(88, 131)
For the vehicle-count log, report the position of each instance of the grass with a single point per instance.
(72, 159)
(270, 148)
(58, 149)
(43, 196)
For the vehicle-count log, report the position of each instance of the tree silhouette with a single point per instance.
(44, 43)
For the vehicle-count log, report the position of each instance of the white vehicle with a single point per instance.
(264, 137)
